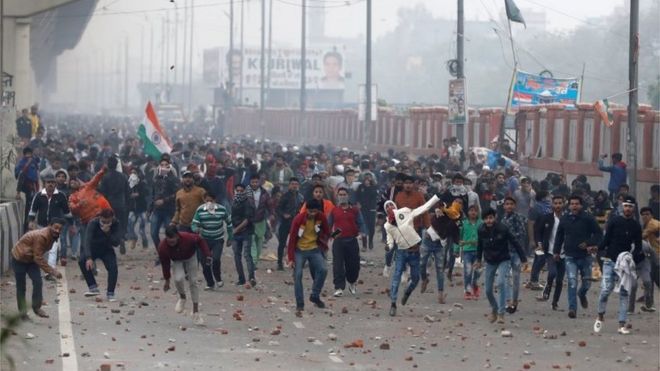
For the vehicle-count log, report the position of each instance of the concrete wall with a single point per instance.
(10, 231)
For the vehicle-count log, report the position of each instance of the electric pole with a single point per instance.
(126, 75)
(459, 67)
(229, 59)
(303, 69)
(367, 90)
(270, 45)
(240, 87)
(633, 58)
(190, 56)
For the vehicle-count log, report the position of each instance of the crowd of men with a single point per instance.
(88, 186)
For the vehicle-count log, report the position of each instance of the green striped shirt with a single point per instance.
(212, 226)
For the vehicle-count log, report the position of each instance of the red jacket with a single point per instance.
(298, 221)
(184, 250)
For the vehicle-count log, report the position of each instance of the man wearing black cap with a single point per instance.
(165, 186)
(622, 249)
(114, 187)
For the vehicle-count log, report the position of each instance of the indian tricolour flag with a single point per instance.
(602, 107)
(153, 135)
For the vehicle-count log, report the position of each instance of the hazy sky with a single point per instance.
(113, 18)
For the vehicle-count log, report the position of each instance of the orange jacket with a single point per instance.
(327, 208)
(87, 203)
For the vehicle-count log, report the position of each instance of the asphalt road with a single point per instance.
(141, 331)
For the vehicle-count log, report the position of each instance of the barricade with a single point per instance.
(10, 231)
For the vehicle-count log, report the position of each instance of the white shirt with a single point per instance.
(256, 193)
(551, 243)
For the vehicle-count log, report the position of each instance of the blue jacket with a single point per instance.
(618, 175)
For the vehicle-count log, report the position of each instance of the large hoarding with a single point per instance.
(325, 68)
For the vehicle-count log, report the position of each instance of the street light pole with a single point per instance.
(367, 90)
(303, 69)
(262, 69)
(633, 58)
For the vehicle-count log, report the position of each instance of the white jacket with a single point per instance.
(403, 233)
(625, 269)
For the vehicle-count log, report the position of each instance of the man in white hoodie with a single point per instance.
(401, 231)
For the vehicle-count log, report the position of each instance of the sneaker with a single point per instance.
(511, 309)
(404, 299)
(316, 300)
(598, 325)
(476, 291)
(555, 306)
(40, 312)
(583, 301)
(386, 271)
(467, 296)
(425, 284)
(535, 286)
(338, 293)
(500, 319)
(441, 297)
(180, 304)
(650, 309)
(393, 310)
(209, 288)
(63, 262)
(122, 249)
(352, 288)
(239, 283)
(219, 284)
(112, 298)
(571, 314)
(253, 282)
(197, 319)
(624, 331)
(131, 244)
(492, 317)
(92, 292)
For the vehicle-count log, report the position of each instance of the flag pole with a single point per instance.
(509, 93)
(584, 66)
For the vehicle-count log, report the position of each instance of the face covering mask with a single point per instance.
(240, 196)
(342, 199)
(210, 207)
(133, 180)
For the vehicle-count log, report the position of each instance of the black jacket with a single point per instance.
(493, 244)
(620, 234)
(575, 230)
(241, 211)
(114, 187)
(44, 210)
(138, 204)
(543, 231)
(97, 242)
(165, 188)
(290, 203)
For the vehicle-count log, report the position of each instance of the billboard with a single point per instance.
(530, 89)
(325, 67)
(457, 105)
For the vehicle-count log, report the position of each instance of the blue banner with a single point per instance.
(530, 89)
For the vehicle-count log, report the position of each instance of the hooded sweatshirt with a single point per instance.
(402, 229)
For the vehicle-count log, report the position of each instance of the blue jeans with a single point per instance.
(573, 266)
(513, 278)
(403, 257)
(501, 269)
(606, 287)
(133, 218)
(242, 246)
(316, 265)
(470, 275)
(64, 240)
(159, 219)
(434, 248)
(390, 255)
